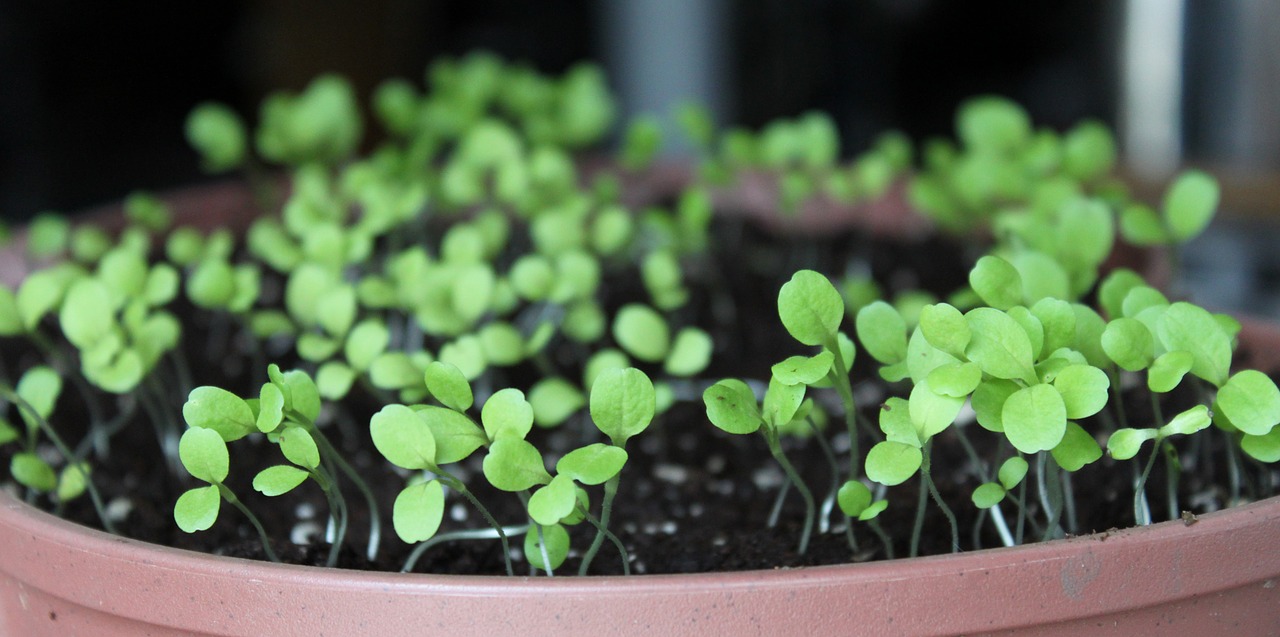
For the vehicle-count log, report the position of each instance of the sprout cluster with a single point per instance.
(451, 298)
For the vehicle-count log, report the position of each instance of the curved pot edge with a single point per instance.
(1067, 579)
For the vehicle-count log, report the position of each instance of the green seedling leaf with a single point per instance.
(1167, 371)
(781, 402)
(1042, 276)
(999, 345)
(32, 472)
(72, 481)
(1113, 290)
(997, 282)
(1125, 443)
(418, 510)
(993, 124)
(8, 433)
(513, 464)
(456, 435)
(1088, 151)
(690, 353)
(204, 454)
(40, 387)
(270, 408)
(874, 510)
(86, 312)
(922, 359)
(732, 407)
(1184, 326)
(394, 370)
(1077, 449)
(334, 380)
(988, 495)
(366, 341)
(931, 413)
(892, 463)
(197, 509)
(336, 310)
(218, 134)
(299, 447)
(1011, 472)
(1251, 401)
(502, 344)
(804, 370)
(554, 400)
(592, 464)
(212, 283)
(955, 380)
(1088, 339)
(403, 437)
(553, 502)
(1083, 389)
(945, 328)
(622, 403)
(10, 315)
(853, 497)
(279, 480)
(507, 415)
(304, 397)
(556, 541)
(1189, 204)
(810, 307)
(221, 411)
(449, 386)
(1265, 448)
(896, 423)
(1034, 418)
(1188, 422)
(1058, 321)
(1031, 325)
(48, 234)
(1129, 343)
(642, 332)
(882, 331)
(1141, 298)
(532, 276)
(42, 292)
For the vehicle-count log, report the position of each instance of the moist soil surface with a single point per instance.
(692, 498)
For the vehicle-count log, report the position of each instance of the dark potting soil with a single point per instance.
(692, 498)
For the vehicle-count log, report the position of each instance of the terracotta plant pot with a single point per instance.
(1218, 574)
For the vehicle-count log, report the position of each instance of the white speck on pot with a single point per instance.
(305, 511)
(303, 532)
(767, 478)
(672, 473)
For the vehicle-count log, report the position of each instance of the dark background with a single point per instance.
(93, 94)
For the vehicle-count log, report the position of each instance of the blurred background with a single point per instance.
(93, 94)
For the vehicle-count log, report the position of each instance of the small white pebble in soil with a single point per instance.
(516, 554)
(303, 532)
(719, 540)
(715, 463)
(118, 509)
(723, 487)
(672, 473)
(696, 510)
(650, 445)
(867, 394)
(840, 442)
(639, 568)
(768, 477)
(668, 528)
(650, 528)
(687, 442)
(629, 527)
(457, 512)
(305, 511)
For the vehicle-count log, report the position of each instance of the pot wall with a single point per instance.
(1219, 575)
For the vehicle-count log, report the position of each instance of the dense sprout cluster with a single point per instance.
(468, 253)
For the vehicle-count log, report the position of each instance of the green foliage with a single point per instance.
(810, 308)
